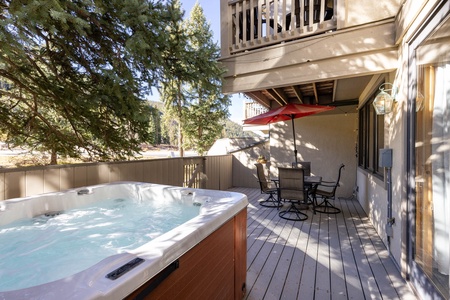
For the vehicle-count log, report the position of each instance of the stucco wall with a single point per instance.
(373, 198)
(324, 140)
(373, 191)
(244, 170)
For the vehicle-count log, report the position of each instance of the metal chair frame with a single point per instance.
(268, 187)
(327, 194)
(291, 187)
(306, 166)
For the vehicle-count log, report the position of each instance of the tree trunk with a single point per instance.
(180, 118)
(180, 141)
(54, 158)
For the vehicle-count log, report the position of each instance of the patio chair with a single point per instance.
(306, 166)
(291, 187)
(268, 187)
(326, 190)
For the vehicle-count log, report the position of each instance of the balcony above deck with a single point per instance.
(306, 51)
(255, 24)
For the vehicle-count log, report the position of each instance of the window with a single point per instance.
(371, 138)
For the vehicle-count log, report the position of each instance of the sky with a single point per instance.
(211, 10)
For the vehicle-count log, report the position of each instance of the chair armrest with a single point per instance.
(327, 183)
(270, 183)
(326, 186)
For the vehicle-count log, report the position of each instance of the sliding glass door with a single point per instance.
(432, 159)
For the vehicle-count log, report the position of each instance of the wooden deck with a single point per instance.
(325, 257)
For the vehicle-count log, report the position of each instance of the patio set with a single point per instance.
(295, 190)
(295, 186)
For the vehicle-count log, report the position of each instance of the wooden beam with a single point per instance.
(316, 96)
(298, 93)
(334, 90)
(259, 97)
(282, 95)
(344, 102)
(275, 97)
(314, 59)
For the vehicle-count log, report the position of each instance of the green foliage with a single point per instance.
(160, 134)
(234, 130)
(78, 71)
(179, 68)
(192, 92)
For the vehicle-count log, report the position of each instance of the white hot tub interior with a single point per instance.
(192, 214)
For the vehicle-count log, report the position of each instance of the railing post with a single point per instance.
(205, 176)
(194, 176)
(226, 28)
(247, 24)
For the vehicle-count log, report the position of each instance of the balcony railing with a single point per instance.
(257, 23)
(252, 109)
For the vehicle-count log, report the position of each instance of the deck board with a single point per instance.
(324, 257)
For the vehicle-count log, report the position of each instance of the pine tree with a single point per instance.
(192, 85)
(180, 69)
(205, 118)
(78, 72)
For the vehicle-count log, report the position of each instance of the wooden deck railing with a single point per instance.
(211, 172)
(252, 109)
(256, 23)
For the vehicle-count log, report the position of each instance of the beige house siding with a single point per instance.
(352, 52)
(359, 12)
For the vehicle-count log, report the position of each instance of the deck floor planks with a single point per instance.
(322, 290)
(285, 262)
(370, 287)
(272, 261)
(308, 279)
(351, 274)
(392, 273)
(337, 275)
(325, 257)
(300, 235)
(282, 267)
(378, 270)
(266, 263)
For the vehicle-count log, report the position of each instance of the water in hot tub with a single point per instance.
(57, 245)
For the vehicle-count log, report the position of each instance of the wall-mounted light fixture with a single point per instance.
(384, 101)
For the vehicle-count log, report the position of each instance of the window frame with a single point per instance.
(370, 138)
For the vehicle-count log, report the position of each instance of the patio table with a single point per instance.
(310, 183)
(308, 180)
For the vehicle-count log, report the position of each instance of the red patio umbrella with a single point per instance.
(289, 112)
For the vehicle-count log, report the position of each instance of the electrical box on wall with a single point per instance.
(385, 158)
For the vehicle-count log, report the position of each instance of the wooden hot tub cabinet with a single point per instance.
(213, 269)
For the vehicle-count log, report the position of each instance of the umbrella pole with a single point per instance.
(295, 145)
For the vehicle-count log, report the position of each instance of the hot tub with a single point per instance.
(201, 257)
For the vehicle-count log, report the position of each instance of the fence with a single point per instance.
(211, 172)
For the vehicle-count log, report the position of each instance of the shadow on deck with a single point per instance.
(325, 257)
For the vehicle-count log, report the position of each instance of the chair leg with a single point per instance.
(311, 200)
(293, 213)
(325, 207)
(270, 202)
